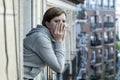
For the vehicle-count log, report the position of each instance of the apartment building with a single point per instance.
(96, 59)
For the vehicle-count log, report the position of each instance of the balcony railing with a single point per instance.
(111, 56)
(98, 60)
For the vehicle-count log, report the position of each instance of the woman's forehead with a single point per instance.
(62, 16)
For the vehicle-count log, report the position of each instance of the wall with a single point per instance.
(10, 40)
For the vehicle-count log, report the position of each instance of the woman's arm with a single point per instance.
(53, 57)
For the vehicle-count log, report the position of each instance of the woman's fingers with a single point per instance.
(56, 30)
(59, 32)
(61, 26)
(64, 30)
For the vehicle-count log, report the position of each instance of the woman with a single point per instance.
(43, 45)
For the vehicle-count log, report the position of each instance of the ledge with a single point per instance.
(77, 1)
(81, 20)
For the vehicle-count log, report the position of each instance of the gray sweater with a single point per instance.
(40, 49)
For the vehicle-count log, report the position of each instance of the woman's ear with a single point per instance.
(47, 24)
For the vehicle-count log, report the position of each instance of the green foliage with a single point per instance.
(81, 14)
(118, 45)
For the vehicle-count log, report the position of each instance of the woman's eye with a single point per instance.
(57, 21)
(64, 21)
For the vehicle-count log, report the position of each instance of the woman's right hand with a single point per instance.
(59, 32)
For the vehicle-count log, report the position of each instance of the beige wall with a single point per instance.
(10, 40)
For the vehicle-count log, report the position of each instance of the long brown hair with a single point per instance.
(51, 13)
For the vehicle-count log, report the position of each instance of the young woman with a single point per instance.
(43, 45)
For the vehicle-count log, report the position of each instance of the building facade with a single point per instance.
(11, 39)
(96, 58)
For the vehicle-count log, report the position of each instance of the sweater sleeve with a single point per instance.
(53, 57)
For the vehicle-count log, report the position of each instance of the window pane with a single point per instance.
(105, 4)
(92, 4)
(111, 4)
(99, 3)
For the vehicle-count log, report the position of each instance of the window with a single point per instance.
(111, 4)
(86, 3)
(99, 3)
(92, 4)
(29, 15)
(105, 4)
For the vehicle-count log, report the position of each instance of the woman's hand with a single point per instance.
(59, 32)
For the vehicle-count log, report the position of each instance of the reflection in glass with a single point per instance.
(105, 4)
(99, 2)
(92, 4)
(111, 4)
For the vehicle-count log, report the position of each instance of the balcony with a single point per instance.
(111, 56)
(109, 41)
(96, 43)
(98, 60)
(96, 27)
(108, 24)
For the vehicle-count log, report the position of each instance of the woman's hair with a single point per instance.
(51, 13)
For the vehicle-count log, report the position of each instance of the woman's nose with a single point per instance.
(61, 22)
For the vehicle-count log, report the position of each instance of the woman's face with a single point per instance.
(56, 21)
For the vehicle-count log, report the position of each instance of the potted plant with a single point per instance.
(81, 14)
